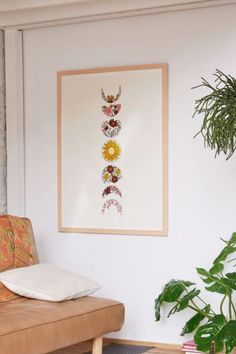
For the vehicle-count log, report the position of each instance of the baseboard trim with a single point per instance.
(165, 346)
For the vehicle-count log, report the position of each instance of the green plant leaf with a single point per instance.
(222, 282)
(184, 301)
(187, 283)
(218, 331)
(206, 280)
(230, 282)
(173, 310)
(231, 329)
(158, 303)
(202, 271)
(216, 288)
(227, 250)
(170, 293)
(208, 277)
(195, 321)
(173, 289)
(232, 239)
(231, 275)
(217, 268)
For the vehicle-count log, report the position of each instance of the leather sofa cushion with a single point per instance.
(36, 327)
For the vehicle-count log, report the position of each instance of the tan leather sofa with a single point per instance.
(30, 326)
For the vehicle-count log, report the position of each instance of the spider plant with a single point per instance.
(210, 327)
(219, 114)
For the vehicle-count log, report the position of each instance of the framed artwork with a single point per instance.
(112, 150)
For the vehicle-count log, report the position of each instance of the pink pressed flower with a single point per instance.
(117, 107)
(108, 111)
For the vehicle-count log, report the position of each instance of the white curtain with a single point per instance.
(3, 153)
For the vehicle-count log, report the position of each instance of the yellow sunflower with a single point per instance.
(111, 150)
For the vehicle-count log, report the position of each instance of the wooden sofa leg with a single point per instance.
(97, 345)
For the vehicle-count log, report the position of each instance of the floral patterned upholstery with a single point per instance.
(16, 248)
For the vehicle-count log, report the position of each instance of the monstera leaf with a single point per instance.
(219, 285)
(232, 240)
(217, 268)
(158, 303)
(174, 288)
(183, 302)
(227, 250)
(195, 321)
(172, 292)
(217, 331)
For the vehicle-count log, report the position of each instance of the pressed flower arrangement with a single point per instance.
(219, 114)
(211, 328)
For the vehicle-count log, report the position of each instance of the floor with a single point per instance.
(85, 347)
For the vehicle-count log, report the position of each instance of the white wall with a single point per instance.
(202, 190)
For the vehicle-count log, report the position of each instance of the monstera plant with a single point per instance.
(210, 327)
(218, 110)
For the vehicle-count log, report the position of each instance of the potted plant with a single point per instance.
(209, 327)
(218, 109)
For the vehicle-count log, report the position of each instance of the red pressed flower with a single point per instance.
(114, 179)
(107, 190)
(110, 169)
(113, 123)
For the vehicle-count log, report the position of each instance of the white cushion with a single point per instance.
(47, 282)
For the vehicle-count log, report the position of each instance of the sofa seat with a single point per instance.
(30, 326)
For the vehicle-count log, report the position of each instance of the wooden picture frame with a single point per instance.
(113, 122)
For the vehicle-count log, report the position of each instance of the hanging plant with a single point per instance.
(219, 114)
